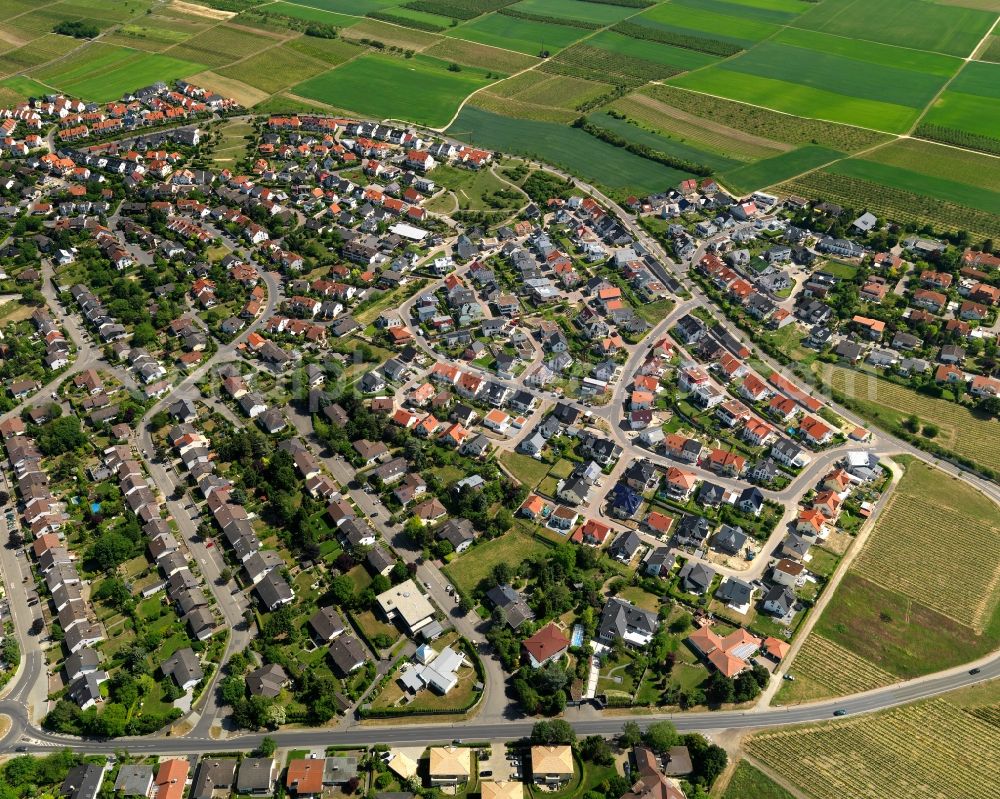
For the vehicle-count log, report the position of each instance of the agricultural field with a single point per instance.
(888, 404)
(933, 748)
(570, 148)
(763, 123)
(329, 51)
(906, 605)
(14, 90)
(533, 95)
(928, 513)
(246, 95)
(222, 45)
(897, 204)
(39, 51)
(521, 35)
(350, 6)
(597, 13)
(638, 135)
(971, 103)
(401, 15)
(302, 11)
(748, 782)
(274, 69)
(678, 58)
(101, 72)
(942, 188)
(908, 23)
(699, 18)
(822, 670)
(689, 130)
(592, 63)
(391, 35)
(154, 38)
(949, 163)
(471, 54)
(418, 89)
(768, 171)
(821, 76)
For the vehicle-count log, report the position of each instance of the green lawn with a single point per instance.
(526, 469)
(474, 565)
(418, 89)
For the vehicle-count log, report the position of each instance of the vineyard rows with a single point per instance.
(960, 431)
(593, 63)
(895, 204)
(931, 749)
(838, 670)
(901, 554)
(457, 9)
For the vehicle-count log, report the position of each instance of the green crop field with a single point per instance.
(16, 89)
(359, 7)
(598, 13)
(908, 23)
(696, 18)
(563, 146)
(933, 748)
(749, 177)
(972, 101)
(819, 76)
(473, 54)
(679, 149)
(532, 95)
(656, 52)
(522, 35)
(949, 163)
(102, 72)
(419, 89)
(39, 51)
(908, 180)
(401, 15)
(275, 68)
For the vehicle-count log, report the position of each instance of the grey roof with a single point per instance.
(81, 662)
(696, 578)
(511, 604)
(730, 539)
(734, 592)
(183, 666)
(82, 782)
(379, 559)
(134, 780)
(267, 680)
(274, 590)
(619, 616)
(214, 773)
(255, 775)
(782, 596)
(326, 623)
(347, 652)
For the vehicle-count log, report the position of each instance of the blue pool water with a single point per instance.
(95, 507)
(576, 639)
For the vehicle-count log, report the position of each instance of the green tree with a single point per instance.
(267, 746)
(631, 735)
(661, 736)
(597, 750)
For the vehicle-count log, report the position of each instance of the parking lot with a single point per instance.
(502, 768)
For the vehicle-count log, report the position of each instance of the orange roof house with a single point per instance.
(305, 776)
(170, 779)
(546, 645)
